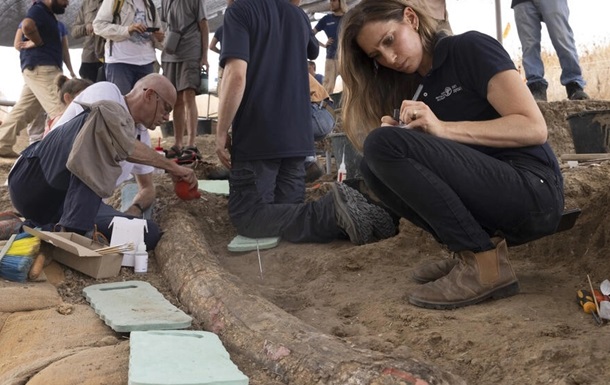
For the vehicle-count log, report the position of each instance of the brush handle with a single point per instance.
(37, 266)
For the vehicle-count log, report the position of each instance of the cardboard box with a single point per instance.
(79, 253)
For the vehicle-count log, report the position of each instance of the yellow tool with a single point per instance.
(587, 301)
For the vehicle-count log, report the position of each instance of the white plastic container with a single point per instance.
(140, 259)
(128, 258)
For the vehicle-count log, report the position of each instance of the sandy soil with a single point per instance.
(358, 293)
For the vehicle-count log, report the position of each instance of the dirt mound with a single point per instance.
(354, 296)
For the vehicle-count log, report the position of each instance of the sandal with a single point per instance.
(190, 154)
(173, 152)
(192, 150)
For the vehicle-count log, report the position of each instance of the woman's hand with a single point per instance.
(387, 120)
(417, 116)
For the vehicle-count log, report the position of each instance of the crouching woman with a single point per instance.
(465, 158)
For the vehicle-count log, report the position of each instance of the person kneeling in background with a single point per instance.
(322, 121)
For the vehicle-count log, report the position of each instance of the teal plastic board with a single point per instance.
(174, 357)
(220, 187)
(241, 243)
(134, 305)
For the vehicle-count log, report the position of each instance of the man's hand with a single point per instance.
(135, 211)
(204, 63)
(159, 35)
(28, 44)
(223, 149)
(184, 173)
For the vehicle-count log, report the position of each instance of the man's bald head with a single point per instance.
(151, 100)
(160, 84)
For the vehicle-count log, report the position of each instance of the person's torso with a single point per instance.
(330, 24)
(139, 48)
(50, 53)
(107, 91)
(273, 119)
(456, 88)
(184, 16)
(91, 52)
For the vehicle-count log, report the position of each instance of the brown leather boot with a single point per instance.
(434, 270)
(477, 277)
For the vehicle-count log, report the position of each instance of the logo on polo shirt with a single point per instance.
(448, 91)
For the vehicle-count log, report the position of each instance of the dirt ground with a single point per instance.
(358, 293)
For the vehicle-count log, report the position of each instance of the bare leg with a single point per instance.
(179, 119)
(191, 114)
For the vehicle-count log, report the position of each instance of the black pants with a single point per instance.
(256, 216)
(73, 207)
(76, 208)
(458, 194)
(90, 71)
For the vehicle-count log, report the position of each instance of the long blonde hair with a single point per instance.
(371, 91)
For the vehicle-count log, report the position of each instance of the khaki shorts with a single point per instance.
(183, 75)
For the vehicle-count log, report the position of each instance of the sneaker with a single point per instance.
(312, 172)
(359, 185)
(351, 211)
(538, 90)
(382, 222)
(575, 92)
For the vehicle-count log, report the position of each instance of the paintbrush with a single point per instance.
(17, 256)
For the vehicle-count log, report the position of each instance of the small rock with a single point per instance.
(65, 308)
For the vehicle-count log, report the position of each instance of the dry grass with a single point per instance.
(595, 63)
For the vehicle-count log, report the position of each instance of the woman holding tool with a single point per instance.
(471, 165)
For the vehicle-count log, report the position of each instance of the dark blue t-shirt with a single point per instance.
(330, 24)
(456, 89)
(274, 118)
(218, 35)
(50, 53)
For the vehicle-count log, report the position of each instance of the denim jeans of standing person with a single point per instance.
(529, 16)
(125, 76)
(322, 121)
(458, 194)
(266, 201)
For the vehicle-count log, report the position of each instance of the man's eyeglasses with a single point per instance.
(168, 107)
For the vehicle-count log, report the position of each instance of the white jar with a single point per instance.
(140, 259)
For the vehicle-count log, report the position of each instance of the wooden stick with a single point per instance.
(585, 157)
(593, 294)
(116, 248)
